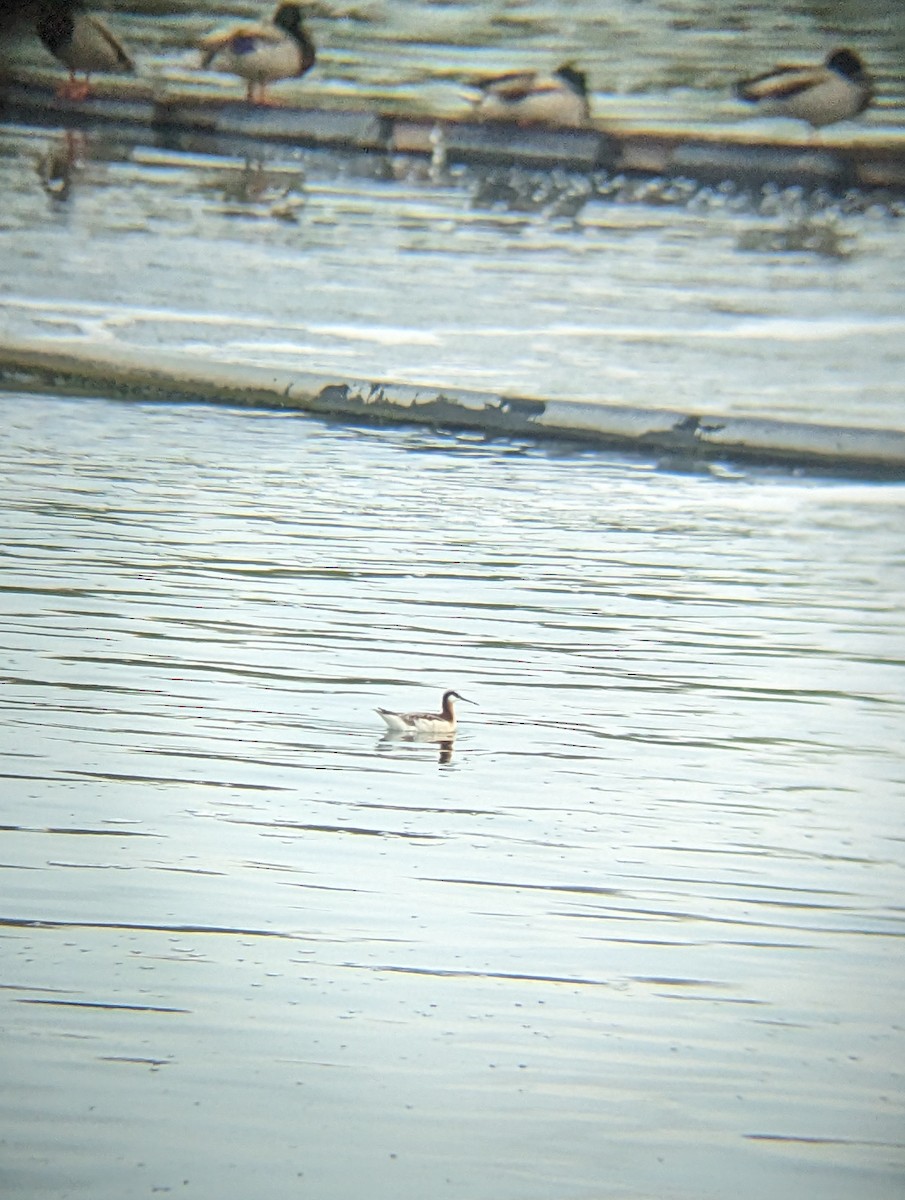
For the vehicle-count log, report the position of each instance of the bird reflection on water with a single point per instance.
(445, 743)
(58, 167)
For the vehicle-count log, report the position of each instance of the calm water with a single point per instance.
(638, 935)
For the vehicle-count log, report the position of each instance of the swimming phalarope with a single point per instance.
(838, 89)
(529, 97)
(437, 724)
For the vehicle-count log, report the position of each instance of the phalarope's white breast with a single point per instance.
(443, 722)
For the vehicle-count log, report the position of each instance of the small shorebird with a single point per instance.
(530, 98)
(262, 53)
(82, 43)
(438, 724)
(835, 91)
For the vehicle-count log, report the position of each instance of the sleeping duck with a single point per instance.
(530, 98)
(835, 91)
(82, 43)
(261, 54)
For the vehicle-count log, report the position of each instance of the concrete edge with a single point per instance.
(123, 372)
(634, 147)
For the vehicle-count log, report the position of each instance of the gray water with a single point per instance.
(768, 303)
(635, 934)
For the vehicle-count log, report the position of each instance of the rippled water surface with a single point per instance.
(766, 303)
(636, 933)
(767, 300)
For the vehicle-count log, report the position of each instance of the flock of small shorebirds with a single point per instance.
(261, 53)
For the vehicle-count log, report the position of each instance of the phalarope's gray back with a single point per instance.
(443, 722)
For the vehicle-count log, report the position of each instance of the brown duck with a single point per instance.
(82, 43)
(532, 98)
(821, 95)
(262, 53)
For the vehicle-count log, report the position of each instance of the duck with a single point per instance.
(441, 724)
(262, 53)
(530, 97)
(82, 43)
(820, 95)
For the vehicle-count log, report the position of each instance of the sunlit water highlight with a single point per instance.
(710, 301)
(637, 935)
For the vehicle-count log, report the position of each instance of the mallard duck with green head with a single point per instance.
(533, 98)
(82, 43)
(280, 48)
(836, 90)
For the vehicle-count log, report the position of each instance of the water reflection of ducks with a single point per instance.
(820, 95)
(82, 43)
(58, 166)
(262, 53)
(529, 97)
(433, 725)
(254, 191)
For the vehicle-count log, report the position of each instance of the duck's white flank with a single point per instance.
(529, 97)
(443, 722)
(262, 53)
(835, 91)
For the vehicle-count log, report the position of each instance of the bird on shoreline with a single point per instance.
(820, 95)
(529, 97)
(262, 53)
(82, 43)
(438, 724)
